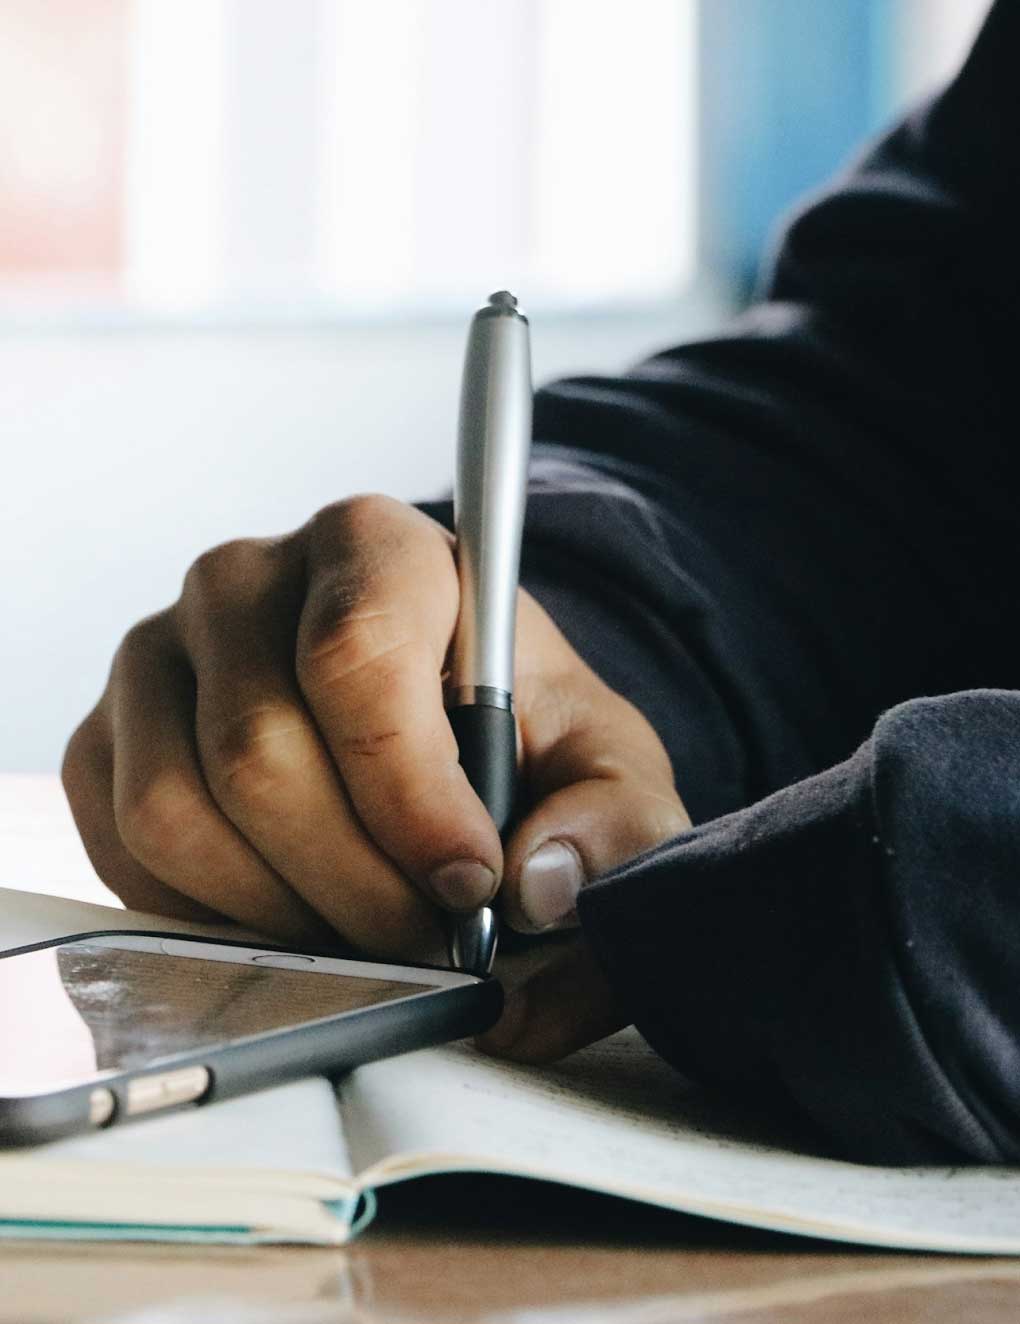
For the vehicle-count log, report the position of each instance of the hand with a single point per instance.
(273, 749)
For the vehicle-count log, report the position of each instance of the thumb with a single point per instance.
(601, 786)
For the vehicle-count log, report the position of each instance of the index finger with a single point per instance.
(379, 613)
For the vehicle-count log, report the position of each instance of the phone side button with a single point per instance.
(284, 960)
(167, 1089)
(101, 1106)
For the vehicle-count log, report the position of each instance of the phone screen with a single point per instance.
(84, 1009)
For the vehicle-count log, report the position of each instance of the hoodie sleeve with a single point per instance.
(847, 949)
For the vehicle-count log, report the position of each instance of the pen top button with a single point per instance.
(502, 306)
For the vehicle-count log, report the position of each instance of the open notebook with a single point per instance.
(300, 1162)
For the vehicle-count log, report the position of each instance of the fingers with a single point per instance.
(87, 775)
(600, 778)
(380, 611)
(276, 748)
(286, 759)
(164, 815)
(567, 1005)
(265, 763)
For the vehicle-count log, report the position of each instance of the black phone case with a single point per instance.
(328, 1047)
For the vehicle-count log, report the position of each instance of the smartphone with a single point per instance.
(104, 1028)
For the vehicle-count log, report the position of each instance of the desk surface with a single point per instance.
(567, 1258)
(466, 1249)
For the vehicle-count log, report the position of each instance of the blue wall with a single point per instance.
(789, 90)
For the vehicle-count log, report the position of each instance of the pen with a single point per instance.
(493, 446)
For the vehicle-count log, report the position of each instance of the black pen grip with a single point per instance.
(487, 741)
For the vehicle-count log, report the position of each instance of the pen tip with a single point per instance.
(503, 299)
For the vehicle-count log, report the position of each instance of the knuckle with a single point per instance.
(143, 639)
(361, 535)
(384, 575)
(224, 571)
(251, 754)
(358, 535)
(361, 515)
(332, 622)
(156, 818)
(343, 640)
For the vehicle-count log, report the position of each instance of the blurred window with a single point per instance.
(196, 156)
(63, 98)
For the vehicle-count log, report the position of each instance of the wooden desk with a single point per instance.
(460, 1250)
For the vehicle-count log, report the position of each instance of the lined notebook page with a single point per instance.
(615, 1118)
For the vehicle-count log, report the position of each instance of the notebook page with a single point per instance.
(277, 1155)
(615, 1118)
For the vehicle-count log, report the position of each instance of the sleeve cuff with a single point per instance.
(754, 953)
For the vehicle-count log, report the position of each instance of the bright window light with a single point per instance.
(387, 156)
(173, 256)
(371, 145)
(612, 177)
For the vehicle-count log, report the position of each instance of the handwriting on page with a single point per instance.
(615, 1118)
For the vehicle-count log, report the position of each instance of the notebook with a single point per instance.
(302, 1162)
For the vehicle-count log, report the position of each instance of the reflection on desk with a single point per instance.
(468, 1250)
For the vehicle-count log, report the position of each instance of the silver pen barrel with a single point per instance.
(494, 445)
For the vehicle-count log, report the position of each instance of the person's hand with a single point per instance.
(274, 749)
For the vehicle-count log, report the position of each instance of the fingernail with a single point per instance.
(463, 884)
(550, 881)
